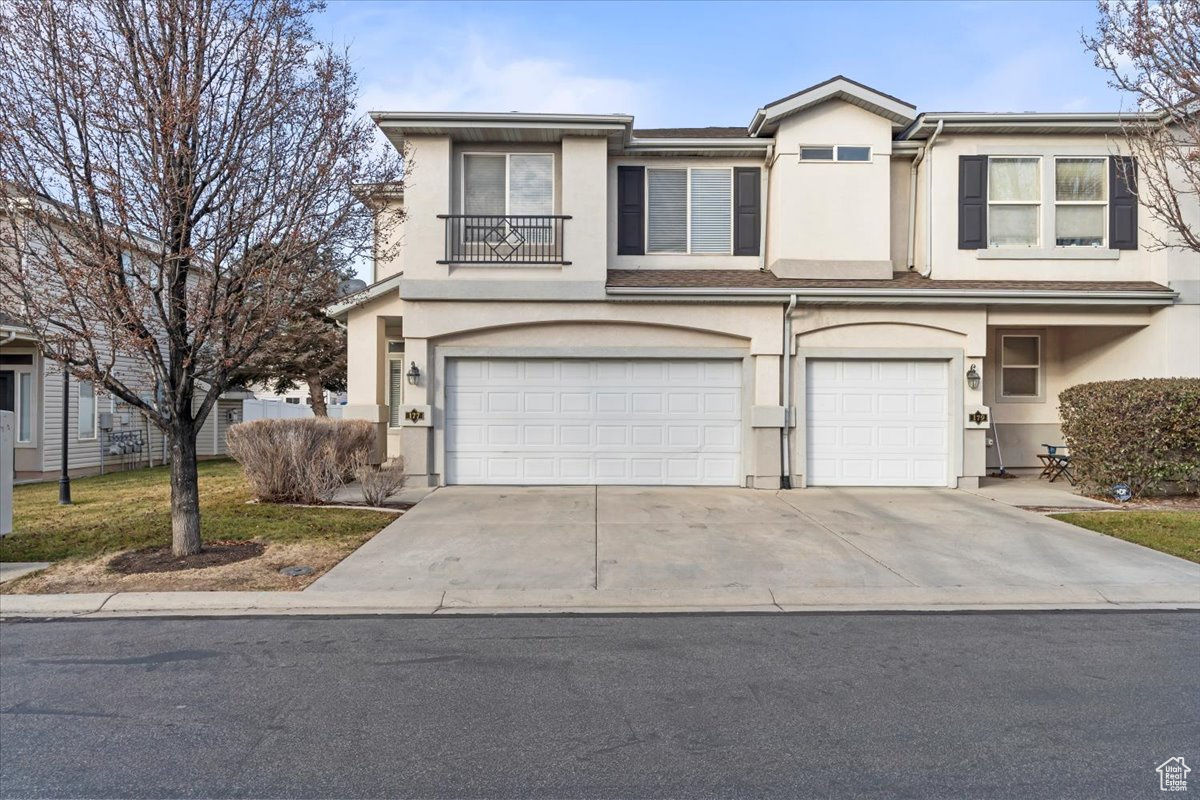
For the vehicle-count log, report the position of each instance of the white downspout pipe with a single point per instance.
(912, 208)
(929, 198)
(9, 337)
(765, 188)
(785, 439)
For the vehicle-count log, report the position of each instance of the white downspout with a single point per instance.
(912, 208)
(785, 480)
(9, 337)
(765, 188)
(929, 198)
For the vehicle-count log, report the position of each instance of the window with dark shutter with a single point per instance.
(631, 201)
(1122, 204)
(972, 202)
(746, 228)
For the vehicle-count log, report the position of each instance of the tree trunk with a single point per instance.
(185, 495)
(316, 390)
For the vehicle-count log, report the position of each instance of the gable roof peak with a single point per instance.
(899, 112)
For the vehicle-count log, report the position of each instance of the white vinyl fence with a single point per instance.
(280, 409)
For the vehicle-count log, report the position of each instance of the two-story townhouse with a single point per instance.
(102, 432)
(845, 292)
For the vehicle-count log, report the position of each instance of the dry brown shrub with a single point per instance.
(300, 460)
(381, 482)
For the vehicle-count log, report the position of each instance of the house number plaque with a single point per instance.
(415, 415)
(978, 417)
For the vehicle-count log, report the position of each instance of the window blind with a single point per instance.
(666, 210)
(483, 184)
(395, 392)
(712, 211)
(530, 184)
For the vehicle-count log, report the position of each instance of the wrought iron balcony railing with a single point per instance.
(504, 239)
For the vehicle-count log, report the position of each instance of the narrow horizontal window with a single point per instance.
(853, 153)
(816, 154)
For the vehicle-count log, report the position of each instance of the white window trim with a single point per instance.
(1102, 203)
(462, 176)
(19, 370)
(95, 412)
(387, 383)
(836, 149)
(687, 199)
(1041, 234)
(1024, 333)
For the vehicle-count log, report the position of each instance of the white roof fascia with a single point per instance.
(352, 301)
(888, 107)
(936, 296)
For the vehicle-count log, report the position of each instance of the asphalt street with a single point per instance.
(1003, 705)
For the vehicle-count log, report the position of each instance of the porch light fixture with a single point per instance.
(413, 374)
(973, 377)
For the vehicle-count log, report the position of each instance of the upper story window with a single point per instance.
(1014, 201)
(841, 152)
(1080, 201)
(502, 184)
(689, 210)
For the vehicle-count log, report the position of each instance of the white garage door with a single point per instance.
(878, 423)
(597, 421)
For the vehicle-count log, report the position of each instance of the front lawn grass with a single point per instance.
(1174, 532)
(128, 510)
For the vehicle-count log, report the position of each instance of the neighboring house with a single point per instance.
(103, 432)
(834, 295)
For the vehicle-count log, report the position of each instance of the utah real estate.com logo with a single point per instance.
(1173, 775)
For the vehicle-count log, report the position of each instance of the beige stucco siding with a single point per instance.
(831, 211)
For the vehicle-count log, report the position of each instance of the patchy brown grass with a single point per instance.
(131, 510)
(252, 575)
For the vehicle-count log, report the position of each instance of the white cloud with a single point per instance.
(478, 74)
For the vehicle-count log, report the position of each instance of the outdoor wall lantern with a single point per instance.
(973, 377)
(414, 374)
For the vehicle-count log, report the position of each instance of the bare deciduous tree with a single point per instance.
(310, 348)
(1151, 52)
(148, 148)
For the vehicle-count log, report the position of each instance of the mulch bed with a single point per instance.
(161, 559)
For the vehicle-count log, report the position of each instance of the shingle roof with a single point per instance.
(734, 132)
(761, 279)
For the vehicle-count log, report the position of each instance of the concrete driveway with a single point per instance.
(844, 543)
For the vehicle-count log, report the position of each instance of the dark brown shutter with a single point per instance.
(972, 202)
(1122, 203)
(747, 205)
(631, 202)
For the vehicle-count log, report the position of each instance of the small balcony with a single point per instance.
(507, 239)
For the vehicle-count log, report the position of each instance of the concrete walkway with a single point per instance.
(1028, 491)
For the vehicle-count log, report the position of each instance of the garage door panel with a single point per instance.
(877, 422)
(593, 421)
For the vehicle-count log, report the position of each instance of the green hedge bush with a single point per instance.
(1143, 432)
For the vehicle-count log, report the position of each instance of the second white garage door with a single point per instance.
(593, 421)
(877, 423)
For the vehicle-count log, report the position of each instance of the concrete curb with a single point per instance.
(500, 602)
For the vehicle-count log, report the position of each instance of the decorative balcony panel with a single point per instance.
(512, 239)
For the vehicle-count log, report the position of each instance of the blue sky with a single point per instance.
(713, 63)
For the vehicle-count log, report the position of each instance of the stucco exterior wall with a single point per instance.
(831, 211)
